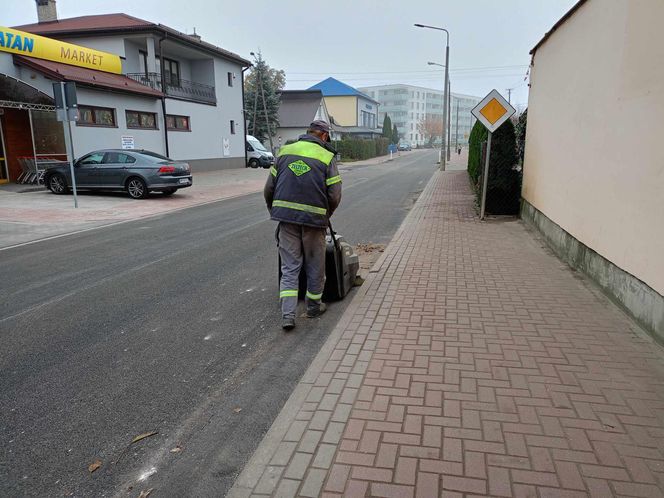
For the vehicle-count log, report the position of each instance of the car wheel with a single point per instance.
(170, 191)
(253, 163)
(57, 184)
(136, 188)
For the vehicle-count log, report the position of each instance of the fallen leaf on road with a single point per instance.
(177, 449)
(237, 409)
(94, 466)
(145, 493)
(143, 436)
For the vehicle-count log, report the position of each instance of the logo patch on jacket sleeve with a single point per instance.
(299, 167)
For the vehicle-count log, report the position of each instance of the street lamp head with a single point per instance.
(419, 25)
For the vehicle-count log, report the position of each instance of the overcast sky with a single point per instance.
(360, 42)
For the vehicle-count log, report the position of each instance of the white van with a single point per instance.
(257, 154)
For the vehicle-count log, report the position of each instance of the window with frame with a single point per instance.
(96, 116)
(91, 159)
(230, 79)
(142, 120)
(178, 123)
(232, 127)
(171, 71)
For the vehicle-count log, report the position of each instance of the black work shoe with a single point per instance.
(313, 313)
(288, 323)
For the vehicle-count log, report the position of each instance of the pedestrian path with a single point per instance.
(472, 362)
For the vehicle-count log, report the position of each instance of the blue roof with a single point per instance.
(332, 88)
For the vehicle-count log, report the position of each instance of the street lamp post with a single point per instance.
(446, 126)
(447, 89)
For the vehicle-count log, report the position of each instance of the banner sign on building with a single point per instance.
(40, 47)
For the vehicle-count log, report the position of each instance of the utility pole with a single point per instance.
(253, 116)
(267, 121)
(456, 133)
(449, 120)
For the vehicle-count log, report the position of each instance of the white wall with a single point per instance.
(87, 138)
(111, 44)
(288, 134)
(594, 162)
(210, 124)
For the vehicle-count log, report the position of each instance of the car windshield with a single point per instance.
(257, 145)
(153, 156)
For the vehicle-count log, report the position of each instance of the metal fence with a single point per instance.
(33, 168)
(177, 87)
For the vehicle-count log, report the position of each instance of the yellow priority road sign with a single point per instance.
(493, 111)
(40, 47)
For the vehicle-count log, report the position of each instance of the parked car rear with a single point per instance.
(138, 172)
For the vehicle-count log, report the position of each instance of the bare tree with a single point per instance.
(430, 128)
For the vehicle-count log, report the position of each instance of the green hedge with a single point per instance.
(478, 135)
(504, 185)
(356, 149)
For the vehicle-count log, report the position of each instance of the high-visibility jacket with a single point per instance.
(304, 186)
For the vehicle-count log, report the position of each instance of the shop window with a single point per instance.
(137, 119)
(96, 116)
(177, 123)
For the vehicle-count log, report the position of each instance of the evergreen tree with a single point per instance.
(387, 127)
(478, 135)
(395, 135)
(521, 135)
(261, 91)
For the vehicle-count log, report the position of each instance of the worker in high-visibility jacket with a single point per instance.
(302, 191)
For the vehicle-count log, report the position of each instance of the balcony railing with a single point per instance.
(182, 89)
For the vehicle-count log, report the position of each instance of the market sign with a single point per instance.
(493, 111)
(40, 47)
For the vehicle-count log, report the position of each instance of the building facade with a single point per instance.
(297, 109)
(189, 107)
(594, 166)
(353, 112)
(408, 105)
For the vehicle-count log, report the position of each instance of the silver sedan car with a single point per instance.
(138, 172)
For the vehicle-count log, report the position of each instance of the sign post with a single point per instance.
(66, 107)
(492, 112)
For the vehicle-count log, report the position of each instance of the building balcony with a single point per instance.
(178, 88)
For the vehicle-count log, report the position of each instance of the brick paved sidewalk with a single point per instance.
(472, 362)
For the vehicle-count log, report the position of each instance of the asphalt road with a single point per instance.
(170, 325)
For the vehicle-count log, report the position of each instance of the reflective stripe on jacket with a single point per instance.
(300, 182)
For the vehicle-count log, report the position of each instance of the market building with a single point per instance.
(187, 107)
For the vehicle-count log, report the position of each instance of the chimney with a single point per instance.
(46, 11)
(195, 36)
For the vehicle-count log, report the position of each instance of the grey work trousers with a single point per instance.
(300, 244)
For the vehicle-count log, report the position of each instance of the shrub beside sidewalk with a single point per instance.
(504, 185)
(357, 149)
